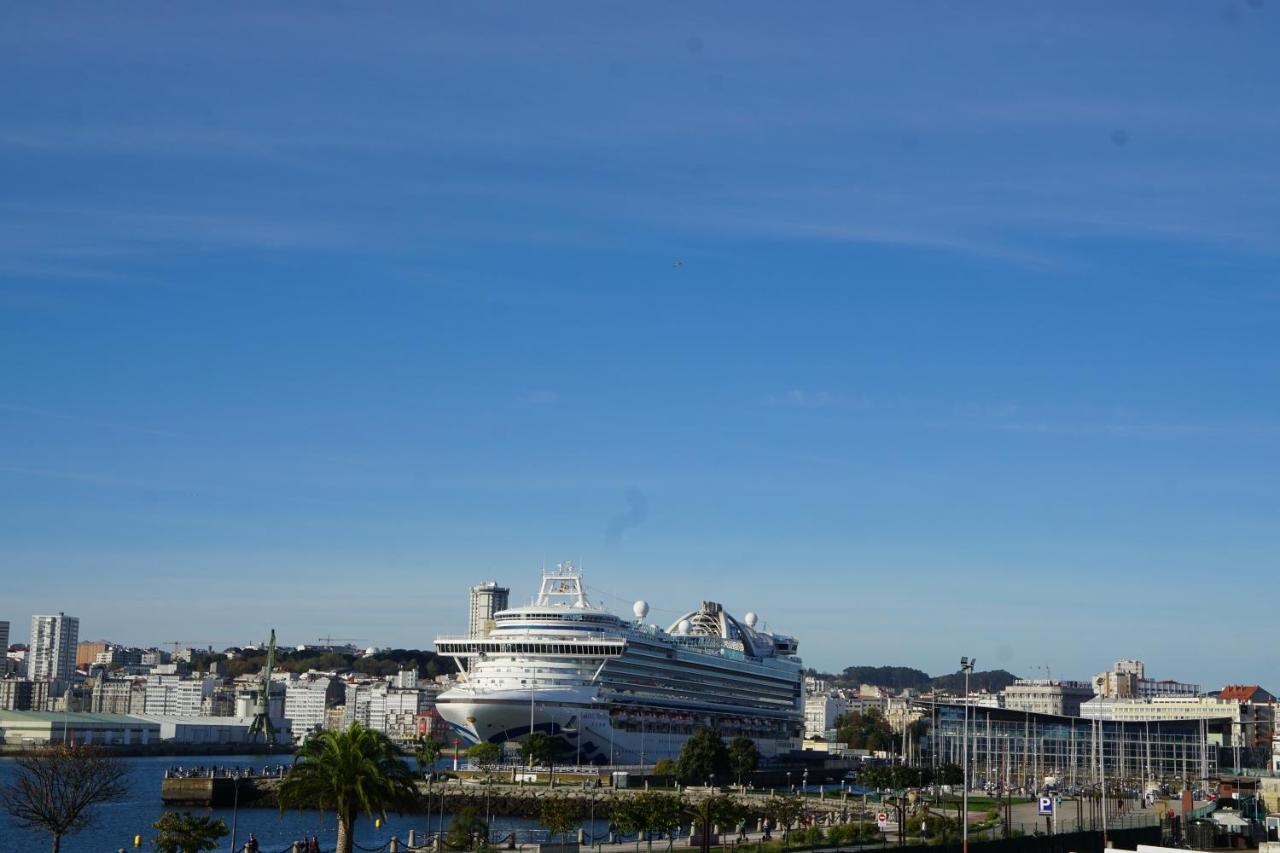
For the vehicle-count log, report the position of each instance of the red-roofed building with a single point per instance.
(1256, 727)
(1246, 693)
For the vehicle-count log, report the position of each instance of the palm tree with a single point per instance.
(352, 771)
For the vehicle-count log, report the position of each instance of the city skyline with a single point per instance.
(916, 331)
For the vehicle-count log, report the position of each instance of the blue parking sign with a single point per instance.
(1046, 806)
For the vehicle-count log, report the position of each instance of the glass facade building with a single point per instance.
(1011, 749)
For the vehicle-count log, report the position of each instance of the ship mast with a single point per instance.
(563, 585)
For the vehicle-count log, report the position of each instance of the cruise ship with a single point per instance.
(622, 692)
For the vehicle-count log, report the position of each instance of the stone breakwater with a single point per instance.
(499, 799)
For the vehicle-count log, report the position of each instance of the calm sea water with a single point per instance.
(118, 823)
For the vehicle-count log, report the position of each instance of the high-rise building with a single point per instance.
(6, 665)
(486, 599)
(87, 653)
(51, 655)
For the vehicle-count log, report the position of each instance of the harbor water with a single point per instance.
(118, 823)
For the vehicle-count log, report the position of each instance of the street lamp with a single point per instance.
(966, 666)
(789, 790)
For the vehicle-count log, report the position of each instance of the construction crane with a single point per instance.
(329, 641)
(199, 645)
(262, 724)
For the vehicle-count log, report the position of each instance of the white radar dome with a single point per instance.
(372, 650)
(640, 609)
(684, 626)
(751, 619)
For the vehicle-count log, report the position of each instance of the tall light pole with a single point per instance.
(966, 666)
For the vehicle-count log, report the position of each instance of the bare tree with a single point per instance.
(58, 792)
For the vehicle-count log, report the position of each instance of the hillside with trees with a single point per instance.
(386, 662)
(904, 677)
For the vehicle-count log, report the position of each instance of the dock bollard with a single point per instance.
(295, 847)
(413, 838)
(582, 835)
(394, 846)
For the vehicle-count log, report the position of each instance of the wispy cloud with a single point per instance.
(81, 420)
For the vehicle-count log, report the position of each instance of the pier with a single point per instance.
(220, 786)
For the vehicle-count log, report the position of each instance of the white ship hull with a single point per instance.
(581, 724)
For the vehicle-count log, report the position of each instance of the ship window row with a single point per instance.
(669, 680)
(658, 677)
(715, 664)
(692, 691)
(590, 649)
(555, 617)
(664, 669)
(754, 682)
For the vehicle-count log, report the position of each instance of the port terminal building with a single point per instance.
(38, 728)
(1011, 749)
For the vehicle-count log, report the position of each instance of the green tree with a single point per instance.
(467, 830)
(187, 833)
(785, 812)
(875, 776)
(870, 731)
(559, 815)
(485, 755)
(426, 751)
(951, 774)
(703, 756)
(665, 768)
(647, 813)
(744, 758)
(901, 776)
(59, 792)
(537, 749)
(710, 812)
(354, 771)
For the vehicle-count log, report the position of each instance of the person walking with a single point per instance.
(251, 846)
(313, 846)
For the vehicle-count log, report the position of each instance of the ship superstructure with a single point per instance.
(616, 691)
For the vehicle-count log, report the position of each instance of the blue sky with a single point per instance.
(921, 329)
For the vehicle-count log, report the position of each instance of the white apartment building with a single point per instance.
(402, 708)
(51, 654)
(172, 696)
(1046, 696)
(405, 679)
(304, 705)
(380, 706)
(1168, 708)
(1127, 679)
(821, 710)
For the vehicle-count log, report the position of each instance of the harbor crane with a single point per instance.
(262, 724)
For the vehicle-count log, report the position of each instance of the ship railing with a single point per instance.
(576, 636)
